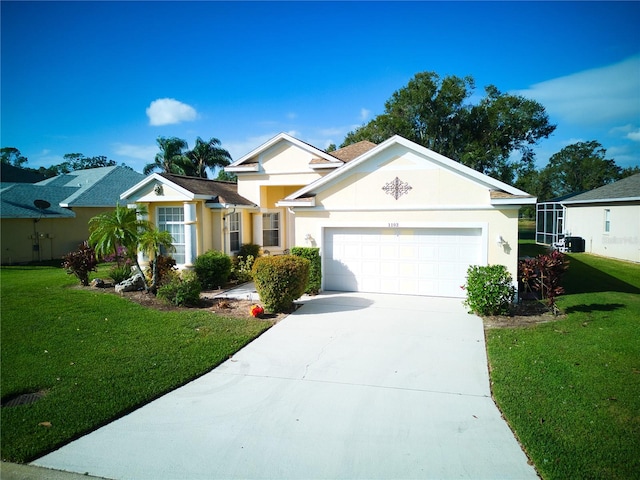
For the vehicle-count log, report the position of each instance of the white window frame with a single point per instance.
(607, 220)
(235, 228)
(278, 229)
(180, 253)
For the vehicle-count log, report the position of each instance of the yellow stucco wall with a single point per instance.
(310, 227)
(58, 236)
(438, 198)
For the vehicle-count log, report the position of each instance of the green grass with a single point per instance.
(570, 389)
(98, 356)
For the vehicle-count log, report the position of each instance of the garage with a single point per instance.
(412, 261)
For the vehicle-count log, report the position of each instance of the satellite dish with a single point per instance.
(41, 204)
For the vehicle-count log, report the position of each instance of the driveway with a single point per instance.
(350, 386)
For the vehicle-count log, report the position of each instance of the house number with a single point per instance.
(394, 225)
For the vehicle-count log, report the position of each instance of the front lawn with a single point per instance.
(570, 389)
(94, 356)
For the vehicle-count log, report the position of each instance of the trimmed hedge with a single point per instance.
(490, 290)
(315, 269)
(280, 280)
(213, 269)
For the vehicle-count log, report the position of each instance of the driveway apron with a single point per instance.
(350, 386)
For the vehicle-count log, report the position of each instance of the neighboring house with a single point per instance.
(48, 219)
(392, 218)
(608, 219)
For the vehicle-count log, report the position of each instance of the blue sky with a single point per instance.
(108, 78)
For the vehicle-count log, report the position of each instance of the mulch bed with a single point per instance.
(524, 314)
(228, 307)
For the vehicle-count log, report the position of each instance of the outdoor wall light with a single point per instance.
(500, 241)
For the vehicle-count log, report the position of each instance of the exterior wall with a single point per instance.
(282, 164)
(438, 198)
(310, 225)
(623, 239)
(430, 186)
(58, 236)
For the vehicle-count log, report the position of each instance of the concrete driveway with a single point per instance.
(350, 386)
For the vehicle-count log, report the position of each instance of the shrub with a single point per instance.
(213, 268)
(489, 290)
(249, 249)
(182, 290)
(315, 269)
(81, 262)
(280, 280)
(166, 265)
(118, 273)
(543, 274)
(241, 268)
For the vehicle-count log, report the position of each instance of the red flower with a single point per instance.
(256, 310)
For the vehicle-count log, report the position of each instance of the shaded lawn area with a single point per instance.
(570, 389)
(96, 356)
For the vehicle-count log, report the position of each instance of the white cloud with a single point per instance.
(596, 96)
(168, 111)
(364, 114)
(141, 152)
(635, 135)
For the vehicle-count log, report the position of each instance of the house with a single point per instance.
(608, 219)
(48, 219)
(393, 218)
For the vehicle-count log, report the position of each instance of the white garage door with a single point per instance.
(430, 261)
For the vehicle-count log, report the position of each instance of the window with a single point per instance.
(270, 229)
(234, 232)
(171, 219)
(607, 220)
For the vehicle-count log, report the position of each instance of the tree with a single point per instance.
(120, 227)
(580, 167)
(206, 155)
(12, 156)
(152, 242)
(171, 158)
(435, 113)
(227, 177)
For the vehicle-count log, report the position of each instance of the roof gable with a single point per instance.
(188, 188)
(514, 195)
(312, 158)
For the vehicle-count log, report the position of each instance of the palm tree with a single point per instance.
(171, 158)
(152, 242)
(121, 227)
(207, 155)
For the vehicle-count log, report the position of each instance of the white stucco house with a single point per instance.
(394, 217)
(608, 219)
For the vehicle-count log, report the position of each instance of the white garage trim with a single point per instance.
(408, 258)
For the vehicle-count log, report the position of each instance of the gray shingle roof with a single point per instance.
(625, 189)
(96, 187)
(17, 201)
(220, 192)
